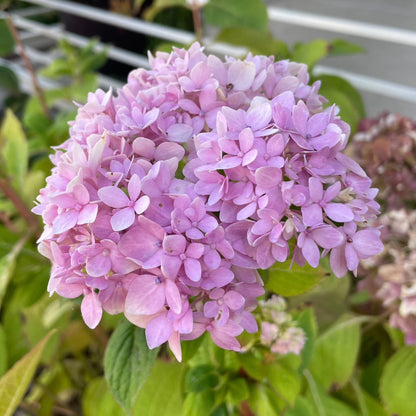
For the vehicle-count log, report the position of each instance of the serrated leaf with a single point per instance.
(335, 353)
(3, 351)
(285, 381)
(162, 393)
(201, 404)
(343, 47)
(340, 92)
(6, 39)
(285, 280)
(257, 42)
(127, 363)
(310, 53)
(15, 382)
(398, 382)
(237, 391)
(7, 266)
(201, 378)
(14, 150)
(306, 320)
(8, 79)
(97, 400)
(251, 14)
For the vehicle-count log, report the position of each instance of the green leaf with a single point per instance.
(201, 404)
(398, 382)
(250, 14)
(8, 79)
(257, 42)
(162, 392)
(310, 53)
(190, 348)
(237, 391)
(252, 365)
(7, 266)
(3, 351)
(15, 150)
(302, 407)
(127, 363)
(285, 381)
(263, 401)
(58, 68)
(335, 354)
(6, 39)
(340, 92)
(368, 405)
(291, 281)
(201, 378)
(306, 320)
(159, 5)
(343, 47)
(97, 400)
(15, 382)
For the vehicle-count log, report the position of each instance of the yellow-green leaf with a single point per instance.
(15, 382)
(14, 150)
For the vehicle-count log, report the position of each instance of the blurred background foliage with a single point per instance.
(352, 364)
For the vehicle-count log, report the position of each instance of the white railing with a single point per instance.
(364, 30)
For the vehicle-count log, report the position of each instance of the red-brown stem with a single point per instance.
(20, 206)
(28, 64)
(196, 16)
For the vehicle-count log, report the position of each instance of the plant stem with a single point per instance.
(28, 64)
(196, 16)
(19, 204)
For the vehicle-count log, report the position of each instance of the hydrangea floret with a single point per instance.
(169, 195)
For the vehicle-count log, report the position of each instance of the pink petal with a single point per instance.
(65, 221)
(327, 236)
(113, 197)
(142, 204)
(88, 214)
(134, 187)
(241, 75)
(367, 243)
(173, 296)
(316, 189)
(312, 215)
(170, 266)
(123, 219)
(311, 252)
(145, 296)
(267, 177)
(337, 261)
(180, 133)
(193, 269)
(144, 147)
(98, 265)
(249, 157)
(234, 300)
(91, 310)
(339, 212)
(158, 331)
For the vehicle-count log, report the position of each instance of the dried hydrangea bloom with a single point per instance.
(168, 195)
(386, 146)
(390, 277)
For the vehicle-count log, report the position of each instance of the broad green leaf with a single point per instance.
(201, 378)
(58, 68)
(7, 266)
(127, 362)
(306, 320)
(162, 393)
(201, 404)
(323, 403)
(340, 92)
(97, 400)
(252, 365)
(398, 382)
(257, 42)
(34, 180)
(302, 407)
(310, 53)
(15, 382)
(335, 354)
(263, 401)
(251, 14)
(190, 348)
(6, 39)
(14, 149)
(291, 281)
(285, 381)
(368, 405)
(158, 5)
(8, 79)
(237, 391)
(343, 47)
(3, 351)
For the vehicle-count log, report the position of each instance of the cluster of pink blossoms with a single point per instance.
(168, 196)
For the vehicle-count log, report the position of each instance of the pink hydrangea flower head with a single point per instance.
(173, 190)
